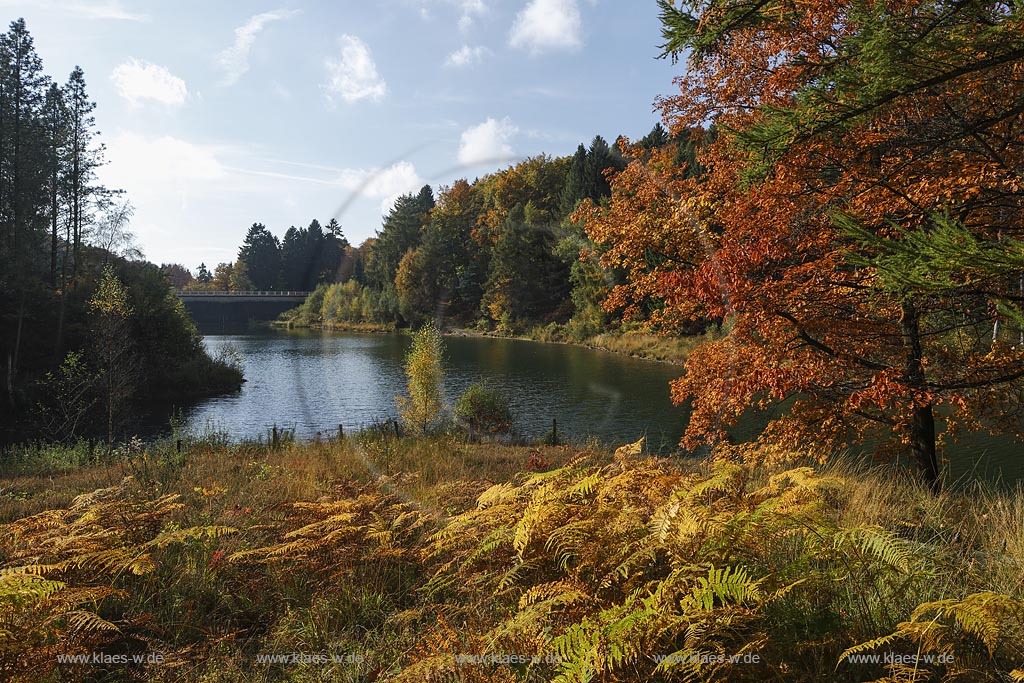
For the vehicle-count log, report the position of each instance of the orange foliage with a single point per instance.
(923, 123)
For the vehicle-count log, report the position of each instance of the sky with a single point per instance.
(216, 115)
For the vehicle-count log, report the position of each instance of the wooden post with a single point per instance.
(554, 432)
(274, 437)
(341, 432)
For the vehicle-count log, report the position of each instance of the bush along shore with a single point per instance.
(634, 343)
(375, 557)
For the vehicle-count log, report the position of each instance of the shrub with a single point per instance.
(423, 407)
(484, 410)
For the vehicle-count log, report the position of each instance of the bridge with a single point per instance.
(216, 309)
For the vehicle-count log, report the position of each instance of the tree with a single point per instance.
(415, 287)
(424, 406)
(113, 348)
(203, 275)
(222, 277)
(111, 233)
(527, 281)
(83, 160)
(240, 281)
(178, 275)
(261, 254)
(402, 230)
(451, 256)
(55, 119)
(600, 159)
(849, 135)
(577, 181)
(23, 172)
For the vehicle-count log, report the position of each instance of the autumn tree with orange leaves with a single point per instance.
(857, 228)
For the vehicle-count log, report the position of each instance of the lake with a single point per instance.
(311, 381)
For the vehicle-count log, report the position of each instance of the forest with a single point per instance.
(89, 329)
(503, 252)
(832, 205)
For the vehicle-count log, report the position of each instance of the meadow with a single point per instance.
(426, 558)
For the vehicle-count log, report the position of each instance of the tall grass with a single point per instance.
(409, 552)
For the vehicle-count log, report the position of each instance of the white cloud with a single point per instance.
(101, 9)
(153, 166)
(354, 76)
(488, 141)
(386, 184)
(547, 25)
(470, 10)
(137, 80)
(466, 56)
(234, 61)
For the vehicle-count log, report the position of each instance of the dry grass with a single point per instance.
(667, 349)
(378, 545)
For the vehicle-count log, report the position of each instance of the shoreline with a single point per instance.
(639, 345)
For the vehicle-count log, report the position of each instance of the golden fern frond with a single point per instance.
(497, 494)
(867, 646)
(585, 487)
(555, 593)
(85, 622)
(174, 536)
(877, 542)
(630, 450)
(725, 476)
(567, 540)
(987, 615)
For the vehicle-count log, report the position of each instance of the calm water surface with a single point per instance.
(312, 382)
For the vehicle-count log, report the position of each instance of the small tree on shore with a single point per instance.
(423, 407)
(113, 348)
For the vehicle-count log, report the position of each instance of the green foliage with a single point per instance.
(424, 406)
(261, 254)
(484, 410)
(67, 398)
(402, 230)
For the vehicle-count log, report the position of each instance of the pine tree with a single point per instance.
(402, 231)
(55, 122)
(261, 254)
(83, 160)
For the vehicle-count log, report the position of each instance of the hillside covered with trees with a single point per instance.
(506, 251)
(87, 327)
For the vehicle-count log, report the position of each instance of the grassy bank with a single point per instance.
(366, 328)
(636, 343)
(376, 558)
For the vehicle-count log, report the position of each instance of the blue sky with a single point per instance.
(220, 114)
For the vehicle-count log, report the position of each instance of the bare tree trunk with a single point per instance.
(12, 357)
(922, 421)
